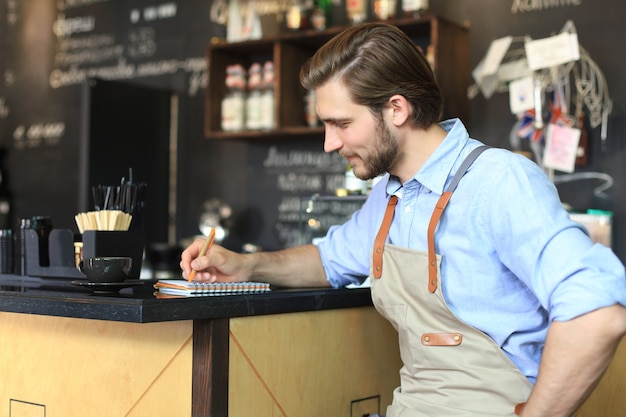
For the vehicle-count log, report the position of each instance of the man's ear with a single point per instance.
(400, 109)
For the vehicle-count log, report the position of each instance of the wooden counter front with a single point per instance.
(326, 363)
(340, 362)
(319, 352)
(57, 366)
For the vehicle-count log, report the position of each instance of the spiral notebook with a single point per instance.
(181, 287)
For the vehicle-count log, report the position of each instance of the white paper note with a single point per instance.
(552, 51)
(485, 73)
(496, 52)
(521, 95)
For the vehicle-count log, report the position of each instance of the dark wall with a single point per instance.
(49, 52)
(40, 103)
(600, 32)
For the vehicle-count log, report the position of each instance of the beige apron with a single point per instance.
(450, 369)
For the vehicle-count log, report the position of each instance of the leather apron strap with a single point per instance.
(381, 237)
(439, 208)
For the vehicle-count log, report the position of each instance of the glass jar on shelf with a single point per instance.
(267, 97)
(253, 99)
(233, 103)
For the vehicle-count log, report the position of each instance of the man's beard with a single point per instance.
(383, 156)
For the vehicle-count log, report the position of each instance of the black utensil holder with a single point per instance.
(61, 255)
(115, 243)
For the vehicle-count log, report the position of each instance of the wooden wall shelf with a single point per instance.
(448, 43)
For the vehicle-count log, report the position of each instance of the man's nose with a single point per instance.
(332, 142)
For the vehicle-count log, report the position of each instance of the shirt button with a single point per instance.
(407, 209)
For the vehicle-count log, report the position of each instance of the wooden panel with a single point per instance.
(210, 368)
(312, 364)
(452, 67)
(100, 368)
(289, 92)
(608, 399)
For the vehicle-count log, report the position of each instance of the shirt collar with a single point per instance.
(438, 167)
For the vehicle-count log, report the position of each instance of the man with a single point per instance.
(502, 304)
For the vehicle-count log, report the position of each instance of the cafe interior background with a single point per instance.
(97, 91)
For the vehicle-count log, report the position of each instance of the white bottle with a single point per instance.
(267, 97)
(253, 100)
(356, 11)
(310, 113)
(414, 8)
(353, 184)
(228, 101)
(233, 104)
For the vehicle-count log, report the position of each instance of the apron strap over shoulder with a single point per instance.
(381, 237)
(432, 257)
(439, 208)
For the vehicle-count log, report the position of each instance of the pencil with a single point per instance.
(207, 245)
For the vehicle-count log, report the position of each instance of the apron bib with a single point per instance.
(450, 369)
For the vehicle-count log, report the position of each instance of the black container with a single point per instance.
(7, 256)
(61, 255)
(164, 260)
(43, 226)
(115, 243)
(19, 247)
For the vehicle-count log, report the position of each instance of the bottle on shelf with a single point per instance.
(253, 99)
(310, 113)
(384, 9)
(322, 15)
(293, 17)
(267, 97)
(233, 103)
(414, 8)
(298, 15)
(356, 11)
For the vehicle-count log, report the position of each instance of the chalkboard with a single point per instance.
(284, 174)
(49, 50)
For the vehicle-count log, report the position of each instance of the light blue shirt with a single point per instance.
(513, 260)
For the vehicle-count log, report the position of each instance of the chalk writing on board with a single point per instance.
(293, 175)
(522, 6)
(69, 4)
(38, 134)
(309, 161)
(89, 45)
(320, 213)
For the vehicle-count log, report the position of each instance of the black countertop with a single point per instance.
(139, 304)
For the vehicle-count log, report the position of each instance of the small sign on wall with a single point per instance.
(561, 147)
